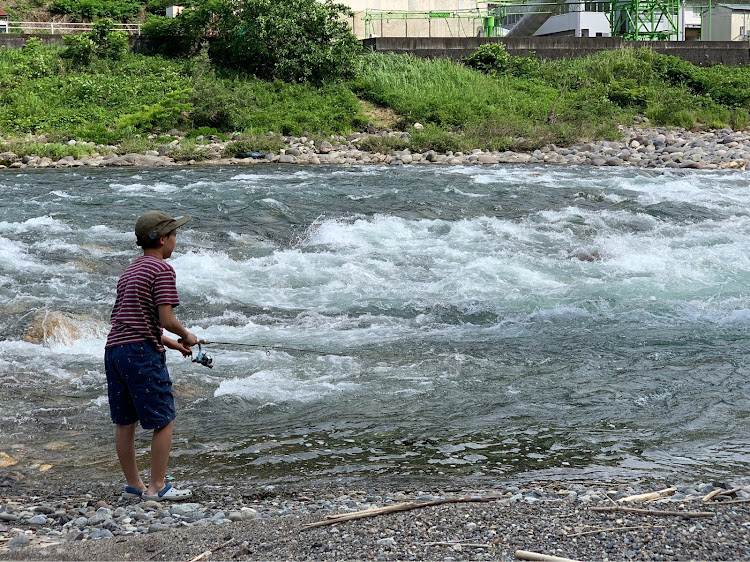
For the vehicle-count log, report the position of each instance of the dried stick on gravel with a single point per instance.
(720, 492)
(656, 511)
(733, 501)
(649, 496)
(526, 555)
(461, 544)
(607, 530)
(208, 553)
(406, 506)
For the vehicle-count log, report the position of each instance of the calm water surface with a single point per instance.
(477, 322)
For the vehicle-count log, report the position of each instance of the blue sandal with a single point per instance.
(132, 493)
(169, 493)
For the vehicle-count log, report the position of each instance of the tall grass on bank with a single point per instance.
(112, 100)
(519, 104)
(490, 111)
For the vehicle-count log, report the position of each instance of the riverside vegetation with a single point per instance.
(244, 85)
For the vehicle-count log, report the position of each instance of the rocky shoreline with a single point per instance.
(577, 520)
(640, 147)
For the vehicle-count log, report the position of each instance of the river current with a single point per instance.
(467, 322)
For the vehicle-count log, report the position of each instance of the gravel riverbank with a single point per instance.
(640, 147)
(700, 521)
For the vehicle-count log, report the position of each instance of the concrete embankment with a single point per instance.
(639, 147)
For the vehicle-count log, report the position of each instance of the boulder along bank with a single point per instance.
(640, 147)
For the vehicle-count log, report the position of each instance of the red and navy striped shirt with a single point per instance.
(146, 283)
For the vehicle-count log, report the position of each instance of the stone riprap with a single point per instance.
(640, 147)
(559, 519)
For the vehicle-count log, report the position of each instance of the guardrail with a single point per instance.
(61, 28)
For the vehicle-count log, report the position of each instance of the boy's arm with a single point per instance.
(174, 344)
(169, 321)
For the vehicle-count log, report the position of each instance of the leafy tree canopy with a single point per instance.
(290, 40)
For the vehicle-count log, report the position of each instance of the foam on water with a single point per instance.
(276, 386)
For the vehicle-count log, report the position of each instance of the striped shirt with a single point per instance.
(145, 284)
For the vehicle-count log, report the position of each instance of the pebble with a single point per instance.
(80, 520)
(639, 147)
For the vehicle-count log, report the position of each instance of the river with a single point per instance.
(468, 322)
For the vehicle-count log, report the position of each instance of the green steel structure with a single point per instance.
(650, 20)
(373, 16)
(633, 20)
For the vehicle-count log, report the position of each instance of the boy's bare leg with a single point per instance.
(125, 445)
(161, 445)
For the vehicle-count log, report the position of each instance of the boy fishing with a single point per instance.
(138, 383)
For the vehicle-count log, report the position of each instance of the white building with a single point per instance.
(728, 22)
(578, 18)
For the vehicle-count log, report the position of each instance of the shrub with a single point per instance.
(101, 42)
(375, 143)
(79, 49)
(439, 140)
(490, 58)
(740, 119)
(188, 150)
(493, 58)
(254, 143)
(119, 10)
(627, 93)
(289, 40)
(52, 150)
(165, 114)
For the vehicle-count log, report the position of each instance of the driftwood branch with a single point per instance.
(720, 492)
(649, 496)
(656, 511)
(406, 506)
(207, 553)
(733, 501)
(461, 544)
(527, 555)
(611, 529)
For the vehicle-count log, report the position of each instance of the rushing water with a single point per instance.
(478, 322)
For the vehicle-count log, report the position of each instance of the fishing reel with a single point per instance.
(203, 358)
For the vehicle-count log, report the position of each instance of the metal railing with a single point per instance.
(61, 28)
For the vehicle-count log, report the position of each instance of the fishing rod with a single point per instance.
(207, 361)
(269, 348)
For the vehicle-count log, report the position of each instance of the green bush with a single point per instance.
(740, 119)
(289, 40)
(101, 42)
(205, 132)
(87, 10)
(79, 49)
(162, 115)
(628, 93)
(188, 150)
(52, 150)
(253, 143)
(376, 143)
(490, 58)
(439, 140)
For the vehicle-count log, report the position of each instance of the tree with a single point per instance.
(290, 40)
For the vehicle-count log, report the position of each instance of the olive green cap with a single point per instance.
(157, 223)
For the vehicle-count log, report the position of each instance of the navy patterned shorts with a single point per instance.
(138, 385)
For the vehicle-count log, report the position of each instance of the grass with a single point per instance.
(561, 102)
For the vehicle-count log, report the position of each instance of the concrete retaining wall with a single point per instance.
(137, 43)
(702, 53)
